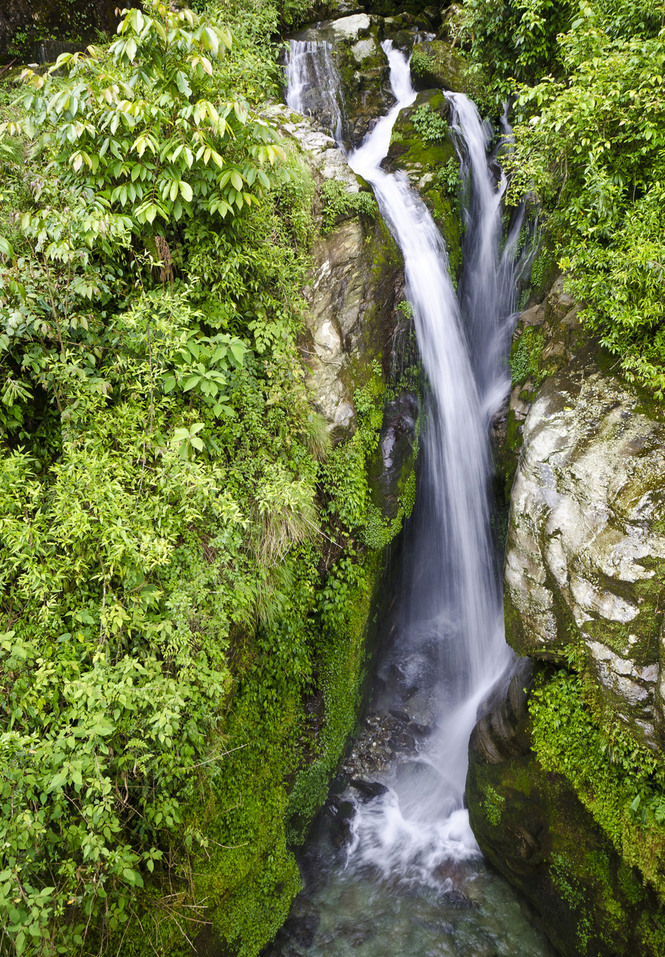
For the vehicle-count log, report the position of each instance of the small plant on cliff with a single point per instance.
(339, 203)
(429, 124)
(420, 63)
(448, 178)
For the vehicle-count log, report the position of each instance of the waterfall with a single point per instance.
(312, 83)
(451, 623)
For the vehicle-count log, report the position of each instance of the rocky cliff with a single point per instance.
(566, 775)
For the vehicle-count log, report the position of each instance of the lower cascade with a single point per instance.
(410, 877)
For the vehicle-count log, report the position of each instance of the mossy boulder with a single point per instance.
(533, 828)
(364, 89)
(585, 556)
(422, 146)
(435, 63)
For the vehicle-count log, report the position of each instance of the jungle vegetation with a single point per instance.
(587, 81)
(184, 561)
(186, 565)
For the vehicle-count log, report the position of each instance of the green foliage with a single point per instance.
(431, 126)
(621, 782)
(339, 203)
(525, 357)
(493, 804)
(513, 40)
(590, 142)
(181, 567)
(420, 63)
(136, 125)
(448, 178)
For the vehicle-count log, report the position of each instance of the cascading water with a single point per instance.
(312, 83)
(453, 599)
(413, 859)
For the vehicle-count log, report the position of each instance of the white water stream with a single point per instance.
(415, 839)
(453, 597)
(312, 83)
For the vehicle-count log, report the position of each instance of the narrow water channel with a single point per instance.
(411, 880)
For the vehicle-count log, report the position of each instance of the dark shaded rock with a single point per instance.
(409, 693)
(394, 459)
(400, 715)
(396, 673)
(378, 685)
(338, 785)
(402, 742)
(533, 828)
(419, 730)
(302, 929)
(368, 789)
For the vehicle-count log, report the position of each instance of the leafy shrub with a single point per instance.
(448, 178)
(339, 203)
(620, 782)
(429, 124)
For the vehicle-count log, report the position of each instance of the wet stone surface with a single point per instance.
(384, 737)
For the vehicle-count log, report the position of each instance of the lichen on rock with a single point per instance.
(585, 558)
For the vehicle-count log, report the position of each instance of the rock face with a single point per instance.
(585, 557)
(363, 83)
(533, 828)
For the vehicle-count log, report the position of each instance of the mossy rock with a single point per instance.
(533, 828)
(436, 64)
(425, 161)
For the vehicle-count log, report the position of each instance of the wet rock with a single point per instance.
(402, 742)
(409, 693)
(355, 932)
(396, 673)
(585, 554)
(368, 789)
(400, 716)
(372, 752)
(429, 164)
(533, 828)
(378, 686)
(302, 929)
(341, 827)
(419, 730)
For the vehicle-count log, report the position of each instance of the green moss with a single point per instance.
(531, 824)
(621, 782)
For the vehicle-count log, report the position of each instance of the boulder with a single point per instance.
(585, 556)
(534, 830)
(435, 64)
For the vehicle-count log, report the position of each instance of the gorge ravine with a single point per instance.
(411, 849)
